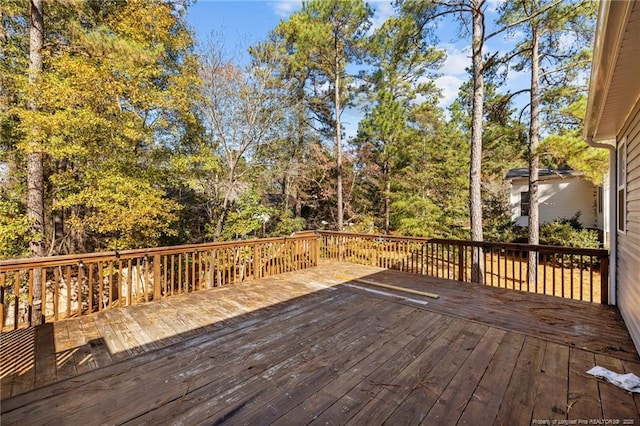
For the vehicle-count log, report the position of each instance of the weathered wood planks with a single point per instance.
(301, 348)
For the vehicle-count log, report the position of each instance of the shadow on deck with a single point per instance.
(310, 346)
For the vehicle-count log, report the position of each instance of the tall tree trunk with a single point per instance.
(35, 169)
(475, 194)
(387, 196)
(225, 204)
(3, 42)
(338, 144)
(300, 157)
(534, 126)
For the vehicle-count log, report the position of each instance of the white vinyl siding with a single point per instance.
(628, 244)
(558, 198)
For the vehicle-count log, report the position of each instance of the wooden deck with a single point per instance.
(311, 347)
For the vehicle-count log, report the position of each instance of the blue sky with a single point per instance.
(243, 23)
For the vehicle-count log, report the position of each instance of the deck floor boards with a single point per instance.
(301, 348)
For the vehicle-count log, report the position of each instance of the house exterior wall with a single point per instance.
(628, 242)
(559, 198)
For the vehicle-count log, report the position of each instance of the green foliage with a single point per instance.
(14, 228)
(567, 232)
(403, 65)
(115, 97)
(416, 216)
(247, 219)
(434, 176)
(285, 224)
(129, 213)
(323, 38)
(566, 148)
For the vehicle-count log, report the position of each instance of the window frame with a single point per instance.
(600, 199)
(621, 187)
(523, 203)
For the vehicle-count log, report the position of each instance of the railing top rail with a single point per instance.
(35, 262)
(484, 244)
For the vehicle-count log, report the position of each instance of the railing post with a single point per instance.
(1, 302)
(156, 277)
(604, 279)
(460, 262)
(257, 264)
(532, 271)
(477, 265)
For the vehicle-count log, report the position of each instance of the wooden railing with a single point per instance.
(568, 272)
(76, 285)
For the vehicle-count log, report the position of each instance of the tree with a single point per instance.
(240, 113)
(566, 148)
(287, 158)
(35, 168)
(432, 186)
(428, 11)
(403, 64)
(471, 12)
(545, 23)
(475, 170)
(503, 144)
(113, 100)
(329, 36)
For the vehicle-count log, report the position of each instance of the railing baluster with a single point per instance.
(80, 286)
(2, 295)
(30, 298)
(56, 292)
(129, 283)
(591, 268)
(604, 282)
(165, 276)
(68, 279)
(570, 270)
(582, 278)
(16, 299)
(90, 297)
(543, 261)
(520, 270)
(491, 268)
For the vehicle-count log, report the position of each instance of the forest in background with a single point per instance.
(144, 139)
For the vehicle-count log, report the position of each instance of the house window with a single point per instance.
(622, 186)
(600, 199)
(524, 203)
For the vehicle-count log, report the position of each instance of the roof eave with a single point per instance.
(613, 17)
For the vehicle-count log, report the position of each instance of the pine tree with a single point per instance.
(327, 36)
(545, 24)
(403, 66)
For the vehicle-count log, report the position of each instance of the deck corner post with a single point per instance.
(317, 246)
(461, 263)
(477, 265)
(604, 279)
(156, 277)
(532, 270)
(257, 264)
